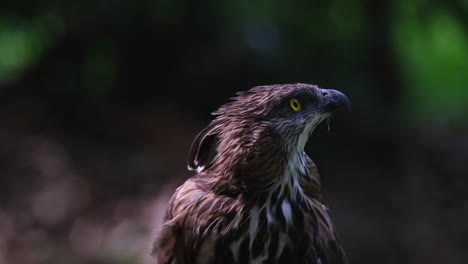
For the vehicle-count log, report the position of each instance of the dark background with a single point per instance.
(99, 102)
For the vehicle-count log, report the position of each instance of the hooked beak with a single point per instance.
(334, 100)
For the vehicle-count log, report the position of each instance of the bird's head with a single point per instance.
(262, 128)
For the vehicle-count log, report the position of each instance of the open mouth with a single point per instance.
(323, 117)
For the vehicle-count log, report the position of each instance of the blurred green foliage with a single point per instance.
(23, 41)
(304, 40)
(433, 51)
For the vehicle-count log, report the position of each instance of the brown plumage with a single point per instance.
(256, 197)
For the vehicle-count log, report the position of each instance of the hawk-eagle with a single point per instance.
(256, 196)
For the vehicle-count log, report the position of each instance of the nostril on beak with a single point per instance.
(334, 100)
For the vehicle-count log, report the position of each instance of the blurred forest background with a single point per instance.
(100, 100)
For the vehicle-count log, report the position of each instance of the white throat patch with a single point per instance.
(308, 129)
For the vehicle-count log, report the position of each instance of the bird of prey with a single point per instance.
(256, 196)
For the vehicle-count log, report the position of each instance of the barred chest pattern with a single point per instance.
(256, 195)
(282, 225)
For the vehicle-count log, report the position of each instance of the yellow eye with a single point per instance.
(294, 104)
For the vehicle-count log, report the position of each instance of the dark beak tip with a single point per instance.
(347, 105)
(336, 100)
